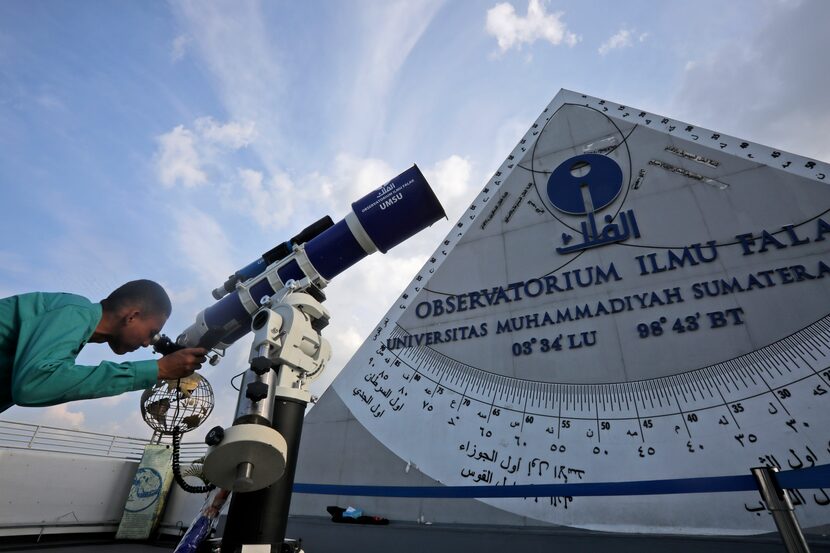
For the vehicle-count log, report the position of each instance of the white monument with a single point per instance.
(629, 298)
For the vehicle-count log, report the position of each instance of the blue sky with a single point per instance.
(178, 141)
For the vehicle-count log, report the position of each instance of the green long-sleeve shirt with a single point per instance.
(41, 334)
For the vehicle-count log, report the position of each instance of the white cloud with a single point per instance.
(381, 24)
(232, 135)
(512, 30)
(184, 155)
(61, 416)
(450, 179)
(269, 201)
(111, 401)
(130, 425)
(620, 39)
(235, 44)
(182, 295)
(179, 47)
(177, 160)
(204, 247)
(355, 177)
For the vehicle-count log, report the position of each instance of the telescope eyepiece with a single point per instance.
(164, 345)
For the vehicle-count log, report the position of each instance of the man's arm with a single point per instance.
(45, 372)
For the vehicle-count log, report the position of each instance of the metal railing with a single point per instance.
(19, 435)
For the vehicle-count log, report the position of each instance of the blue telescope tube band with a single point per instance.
(809, 478)
(225, 310)
(261, 289)
(291, 271)
(230, 308)
(334, 251)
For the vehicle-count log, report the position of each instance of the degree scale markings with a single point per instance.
(582, 401)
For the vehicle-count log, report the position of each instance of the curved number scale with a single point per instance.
(802, 360)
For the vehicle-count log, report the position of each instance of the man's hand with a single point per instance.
(181, 363)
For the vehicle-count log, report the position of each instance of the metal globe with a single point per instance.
(184, 404)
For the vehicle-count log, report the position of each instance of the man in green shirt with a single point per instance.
(41, 334)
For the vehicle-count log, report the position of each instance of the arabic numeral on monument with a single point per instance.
(655, 328)
(524, 348)
(643, 451)
(689, 323)
(548, 345)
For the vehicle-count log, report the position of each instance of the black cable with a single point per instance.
(177, 474)
(235, 377)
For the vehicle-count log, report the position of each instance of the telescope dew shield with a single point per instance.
(378, 221)
(398, 210)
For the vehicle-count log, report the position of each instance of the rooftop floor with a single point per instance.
(322, 536)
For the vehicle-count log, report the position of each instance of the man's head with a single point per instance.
(138, 311)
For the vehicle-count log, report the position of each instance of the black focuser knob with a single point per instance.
(261, 365)
(256, 391)
(215, 436)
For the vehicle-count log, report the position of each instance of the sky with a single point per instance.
(178, 141)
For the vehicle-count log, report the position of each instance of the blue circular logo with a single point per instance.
(585, 184)
(145, 490)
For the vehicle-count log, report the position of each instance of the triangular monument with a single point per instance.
(629, 298)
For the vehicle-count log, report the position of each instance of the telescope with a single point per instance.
(279, 298)
(378, 221)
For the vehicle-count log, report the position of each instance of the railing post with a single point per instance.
(32, 439)
(779, 504)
